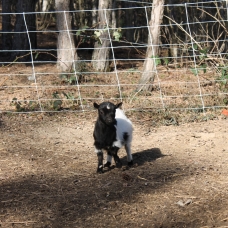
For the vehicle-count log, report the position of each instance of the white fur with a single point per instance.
(97, 151)
(123, 125)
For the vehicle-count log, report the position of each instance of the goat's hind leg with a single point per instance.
(129, 155)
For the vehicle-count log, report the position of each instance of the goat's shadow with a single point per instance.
(141, 157)
(148, 155)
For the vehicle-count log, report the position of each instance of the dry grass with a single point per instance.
(179, 89)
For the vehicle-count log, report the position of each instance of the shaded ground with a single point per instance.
(48, 175)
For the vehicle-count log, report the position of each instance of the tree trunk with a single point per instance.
(113, 15)
(21, 45)
(45, 5)
(149, 66)
(101, 51)
(66, 52)
(94, 12)
(6, 26)
(81, 4)
(129, 20)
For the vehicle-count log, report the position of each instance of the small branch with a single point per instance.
(184, 31)
(139, 52)
(215, 19)
(17, 222)
(20, 57)
(3, 81)
(15, 60)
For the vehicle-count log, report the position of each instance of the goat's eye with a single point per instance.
(101, 112)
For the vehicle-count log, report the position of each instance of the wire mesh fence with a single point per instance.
(191, 67)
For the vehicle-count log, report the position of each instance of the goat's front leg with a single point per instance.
(109, 160)
(100, 160)
(114, 151)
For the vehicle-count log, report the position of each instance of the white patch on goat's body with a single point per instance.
(108, 107)
(123, 128)
(97, 151)
(117, 143)
(124, 125)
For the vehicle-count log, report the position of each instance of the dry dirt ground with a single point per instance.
(48, 175)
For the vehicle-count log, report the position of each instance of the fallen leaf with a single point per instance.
(225, 112)
(182, 204)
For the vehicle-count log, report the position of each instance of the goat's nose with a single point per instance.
(109, 120)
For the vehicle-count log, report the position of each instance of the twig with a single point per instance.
(139, 52)
(1, 83)
(30, 54)
(18, 222)
(16, 59)
(179, 25)
(141, 178)
(215, 19)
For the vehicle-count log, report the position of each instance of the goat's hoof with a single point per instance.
(107, 164)
(130, 163)
(118, 165)
(100, 170)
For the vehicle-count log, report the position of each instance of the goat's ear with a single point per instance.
(95, 105)
(119, 105)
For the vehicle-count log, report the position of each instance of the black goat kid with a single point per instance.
(112, 130)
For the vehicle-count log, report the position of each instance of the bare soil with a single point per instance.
(48, 175)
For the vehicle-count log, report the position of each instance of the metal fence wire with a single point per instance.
(191, 67)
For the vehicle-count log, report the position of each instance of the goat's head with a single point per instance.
(107, 111)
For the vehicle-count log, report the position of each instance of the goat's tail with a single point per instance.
(125, 136)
